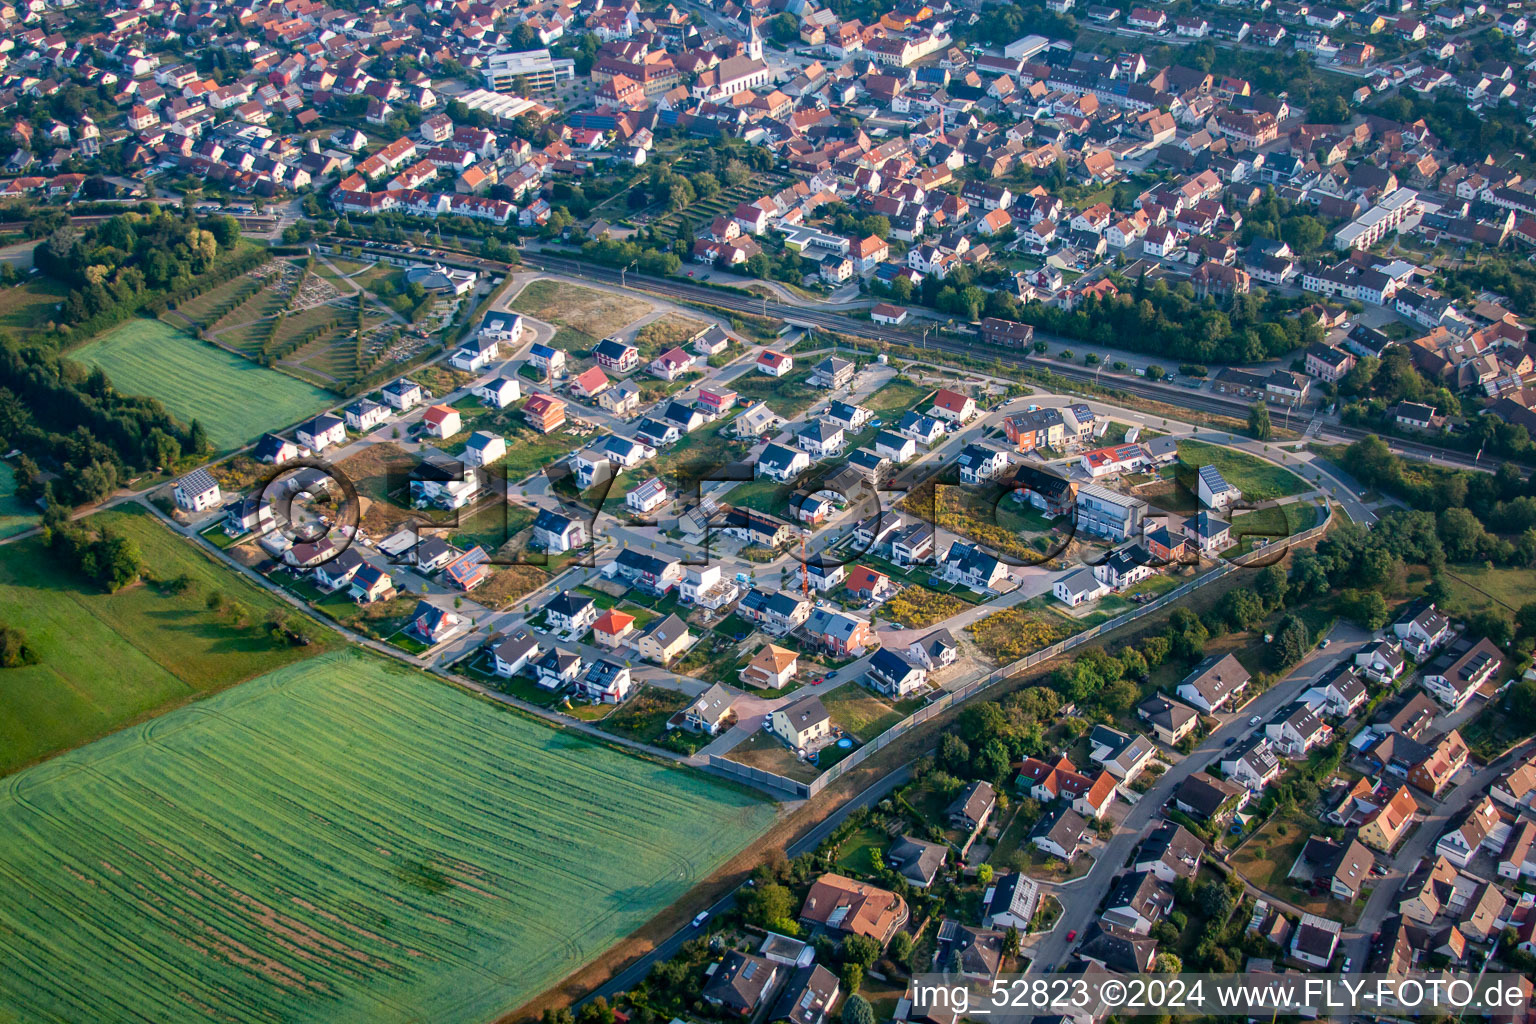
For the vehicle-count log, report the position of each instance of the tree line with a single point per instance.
(1172, 321)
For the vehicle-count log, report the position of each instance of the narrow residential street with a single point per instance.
(1080, 900)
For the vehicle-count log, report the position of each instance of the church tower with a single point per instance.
(754, 40)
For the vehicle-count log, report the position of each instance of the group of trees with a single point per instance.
(1277, 219)
(1172, 321)
(69, 420)
(1503, 530)
(110, 560)
(14, 650)
(118, 266)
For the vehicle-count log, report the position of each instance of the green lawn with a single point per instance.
(1257, 479)
(15, 515)
(106, 660)
(1476, 586)
(236, 400)
(343, 840)
(862, 853)
(895, 397)
(763, 494)
(788, 395)
(31, 305)
(1270, 524)
(862, 713)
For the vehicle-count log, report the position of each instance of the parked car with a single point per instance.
(1255, 720)
(698, 921)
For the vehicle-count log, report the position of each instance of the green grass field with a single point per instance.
(31, 305)
(108, 659)
(15, 516)
(1257, 479)
(344, 840)
(235, 399)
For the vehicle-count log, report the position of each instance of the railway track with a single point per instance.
(1170, 394)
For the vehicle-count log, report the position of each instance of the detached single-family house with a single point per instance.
(665, 641)
(555, 533)
(771, 668)
(803, 724)
(894, 675)
(1215, 684)
(321, 432)
(1455, 684)
(198, 491)
(441, 420)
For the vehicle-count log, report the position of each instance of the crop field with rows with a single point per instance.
(340, 840)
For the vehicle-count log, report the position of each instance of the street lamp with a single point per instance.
(625, 270)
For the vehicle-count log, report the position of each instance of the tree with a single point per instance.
(856, 1010)
(984, 874)
(853, 977)
(953, 751)
(737, 173)
(1258, 421)
(1011, 941)
(596, 1012)
(859, 949)
(1167, 963)
(1292, 639)
(1366, 608)
(225, 231)
(1215, 900)
(14, 651)
(768, 905)
(901, 948)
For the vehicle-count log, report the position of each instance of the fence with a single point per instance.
(761, 778)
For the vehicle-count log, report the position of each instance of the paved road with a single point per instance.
(1080, 900)
(1170, 393)
(1383, 899)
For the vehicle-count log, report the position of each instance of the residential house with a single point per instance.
(1297, 729)
(1213, 490)
(842, 904)
(321, 432)
(432, 625)
(1170, 852)
(740, 983)
(1206, 798)
(1422, 630)
(711, 712)
(1060, 832)
(1252, 762)
(441, 421)
(1169, 719)
(772, 668)
(1455, 684)
(556, 533)
(917, 860)
(612, 627)
(1137, 902)
(1315, 940)
(556, 669)
(972, 807)
(803, 725)
(570, 613)
(840, 633)
(514, 653)
(604, 682)
(895, 675)
(198, 491)
(1216, 684)
(1384, 827)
